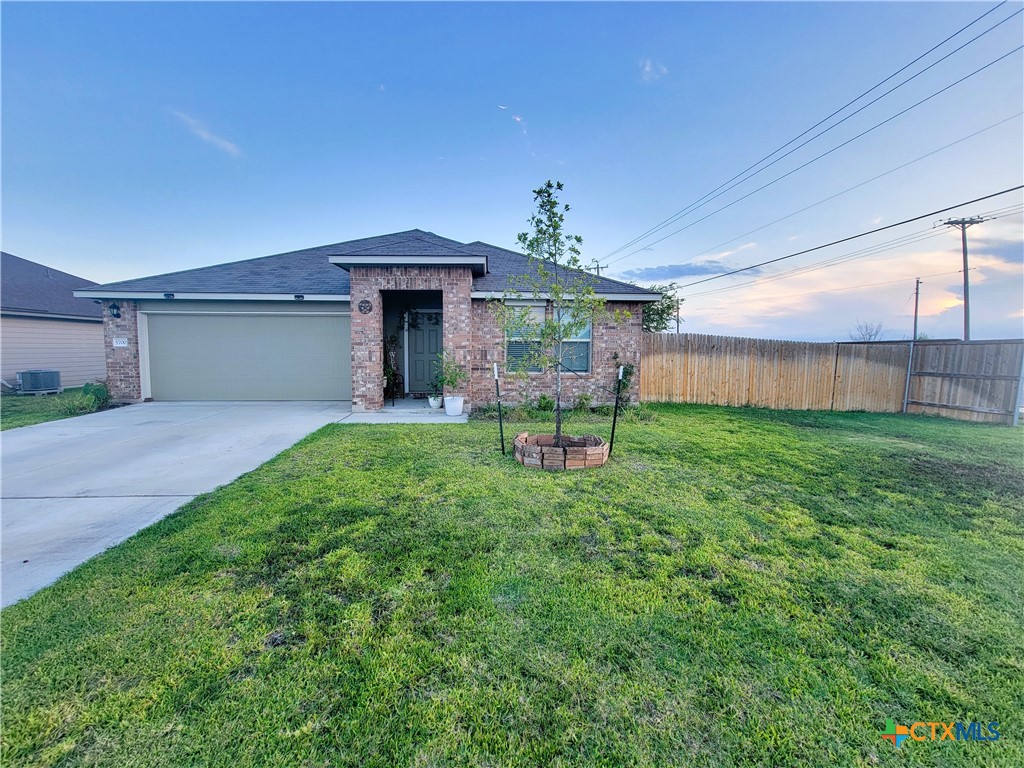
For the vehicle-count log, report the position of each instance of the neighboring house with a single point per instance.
(43, 325)
(317, 324)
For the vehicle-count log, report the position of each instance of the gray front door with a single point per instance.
(424, 346)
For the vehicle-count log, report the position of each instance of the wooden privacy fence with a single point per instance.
(975, 380)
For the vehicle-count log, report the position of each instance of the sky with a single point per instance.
(142, 138)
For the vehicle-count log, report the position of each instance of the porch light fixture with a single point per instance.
(115, 311)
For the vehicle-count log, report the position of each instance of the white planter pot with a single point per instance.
(453, 405)
(434, 402)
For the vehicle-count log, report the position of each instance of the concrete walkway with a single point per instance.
(407, 411)
(73, 488)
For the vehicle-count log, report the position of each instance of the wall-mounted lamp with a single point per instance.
(114, 310)
(299, 297)
(168, 295)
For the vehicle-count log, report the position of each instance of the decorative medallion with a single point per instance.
(365, 307)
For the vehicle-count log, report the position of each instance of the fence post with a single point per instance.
(615, 413)
(501, 425)
(910, 368)
(1020, 392)
(835, 375)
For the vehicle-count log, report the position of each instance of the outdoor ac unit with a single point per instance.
(39, 381)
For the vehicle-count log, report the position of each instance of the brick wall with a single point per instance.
(123, 379)
(607, 339)
(455, 285)
(470, 333)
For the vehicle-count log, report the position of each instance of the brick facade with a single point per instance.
(470, 334)
(123, 379)
(608, 338)
(455, 285)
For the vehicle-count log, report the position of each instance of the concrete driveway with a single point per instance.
(75, 487)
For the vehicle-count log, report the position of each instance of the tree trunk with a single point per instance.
(558, 397)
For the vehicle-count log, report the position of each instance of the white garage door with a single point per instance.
(249, 357)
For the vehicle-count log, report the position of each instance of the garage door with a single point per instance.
(249, 357)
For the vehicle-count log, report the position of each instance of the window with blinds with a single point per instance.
(575, 350)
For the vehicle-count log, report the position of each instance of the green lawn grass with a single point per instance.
(736, 587)
(24, 410)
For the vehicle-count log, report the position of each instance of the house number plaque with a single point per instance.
(365, 307)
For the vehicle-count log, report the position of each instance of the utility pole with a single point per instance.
(962, 225)
(677, 314)
(910, 356)
(917, 302)
(598, 267)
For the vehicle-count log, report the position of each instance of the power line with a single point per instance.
(854, 287)
(732, 186)
(854, 237)
(823, 154)
(889, 245)
(855, 186)
(874, 250)
(675, 216)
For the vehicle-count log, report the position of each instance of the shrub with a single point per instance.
(450, 375)
(545, 403)
(99, 393)
(640, 414)
(584, 401)
(76, 404)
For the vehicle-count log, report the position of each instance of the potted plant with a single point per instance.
(451, 375)
(434, 398)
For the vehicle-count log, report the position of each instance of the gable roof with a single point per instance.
(29, 288)
(310, 272)
(504, 266)
(298, 272)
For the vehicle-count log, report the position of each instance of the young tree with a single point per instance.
(571, 302)
(661, 315)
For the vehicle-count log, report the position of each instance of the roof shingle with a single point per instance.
(309, 271)
(37, 289)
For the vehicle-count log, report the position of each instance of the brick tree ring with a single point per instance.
(539, 452)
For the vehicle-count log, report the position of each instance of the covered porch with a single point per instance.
(402, 317)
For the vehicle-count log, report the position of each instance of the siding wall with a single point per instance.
(72, 347)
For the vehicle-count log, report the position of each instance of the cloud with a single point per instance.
(520, 121)
(674, 271)
(650, 70)
(197, 128)
(1007, 251)
(824, 304)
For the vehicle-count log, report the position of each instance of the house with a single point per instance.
(43, 325)
(323, 323)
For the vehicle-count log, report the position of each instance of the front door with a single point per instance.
(424, 347)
